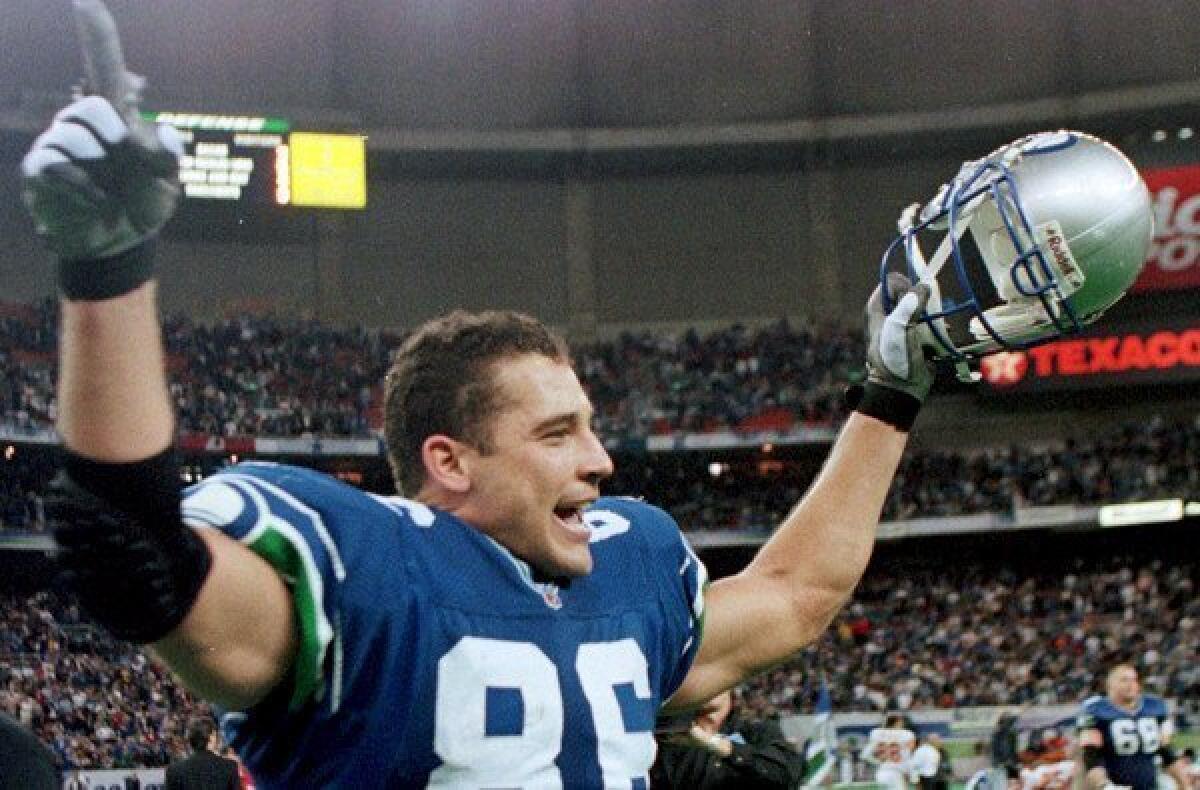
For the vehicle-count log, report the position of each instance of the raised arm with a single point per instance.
(799, 580)
(99, 192)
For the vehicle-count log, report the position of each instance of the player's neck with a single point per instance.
(1132, 707)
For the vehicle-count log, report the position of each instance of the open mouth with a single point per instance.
(571, 518)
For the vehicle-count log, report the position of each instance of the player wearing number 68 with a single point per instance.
(1124, 734)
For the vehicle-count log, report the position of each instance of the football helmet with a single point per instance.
(1042, 236)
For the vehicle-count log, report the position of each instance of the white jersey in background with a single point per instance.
(924, 762)
(1049, 776)
(891, 750)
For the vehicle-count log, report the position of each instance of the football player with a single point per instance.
(501, 626)
(1123, 735)
(890, 748)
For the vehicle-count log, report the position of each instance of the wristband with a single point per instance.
(896, 408)
(95, 279)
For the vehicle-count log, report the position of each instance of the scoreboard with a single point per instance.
(253, 160)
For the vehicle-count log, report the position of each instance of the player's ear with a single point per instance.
(446, 464)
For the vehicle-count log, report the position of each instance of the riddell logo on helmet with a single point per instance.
(1062, 259)
(1162, 350)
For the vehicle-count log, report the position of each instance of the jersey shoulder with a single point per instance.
(1154, 705)
(240, 497)
(630, 536)
(1093, 713)
(632, 540)
(615, 516)
(313, 530)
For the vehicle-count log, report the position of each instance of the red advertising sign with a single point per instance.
(1153, 355)
(204, 443)
(1174, 260)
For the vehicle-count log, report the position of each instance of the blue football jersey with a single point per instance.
(1132, 739)
(430, 656)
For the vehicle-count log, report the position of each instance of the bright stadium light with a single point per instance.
(1156, 512)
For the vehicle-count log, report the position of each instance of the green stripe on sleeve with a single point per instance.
(283, 548)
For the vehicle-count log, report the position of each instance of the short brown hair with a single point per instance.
(441, 382)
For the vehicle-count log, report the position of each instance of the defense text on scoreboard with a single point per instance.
(261, 160)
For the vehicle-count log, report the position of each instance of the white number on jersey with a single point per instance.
(472, 758)
(602, 666)
(1130, 736)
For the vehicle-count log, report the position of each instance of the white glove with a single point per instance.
(894, 357)
(97, 186)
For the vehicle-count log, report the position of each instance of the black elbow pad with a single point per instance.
(1093, 757)
(123, 547)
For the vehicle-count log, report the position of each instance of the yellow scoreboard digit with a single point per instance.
(328, 170)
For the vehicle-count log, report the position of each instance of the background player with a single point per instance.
(504, 628)
(1124, 733)
(890, 748)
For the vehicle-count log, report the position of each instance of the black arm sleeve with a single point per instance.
(1093, 757)
(123, 546)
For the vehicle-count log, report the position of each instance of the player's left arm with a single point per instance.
(1173, 763)
(796, 584)
(804, 574)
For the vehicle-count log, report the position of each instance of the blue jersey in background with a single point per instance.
(1132, 738)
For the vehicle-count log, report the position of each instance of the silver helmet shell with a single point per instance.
(1032, 242)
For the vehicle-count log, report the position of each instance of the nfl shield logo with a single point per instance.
(551, 597)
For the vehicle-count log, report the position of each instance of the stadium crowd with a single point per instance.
(1149, 460)
(96, 702)
(968, 634)
(1154, 459)
(774, 377)
(964, 636)
(257, 376)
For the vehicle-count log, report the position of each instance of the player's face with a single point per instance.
(544, 467)
(1123, 686)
